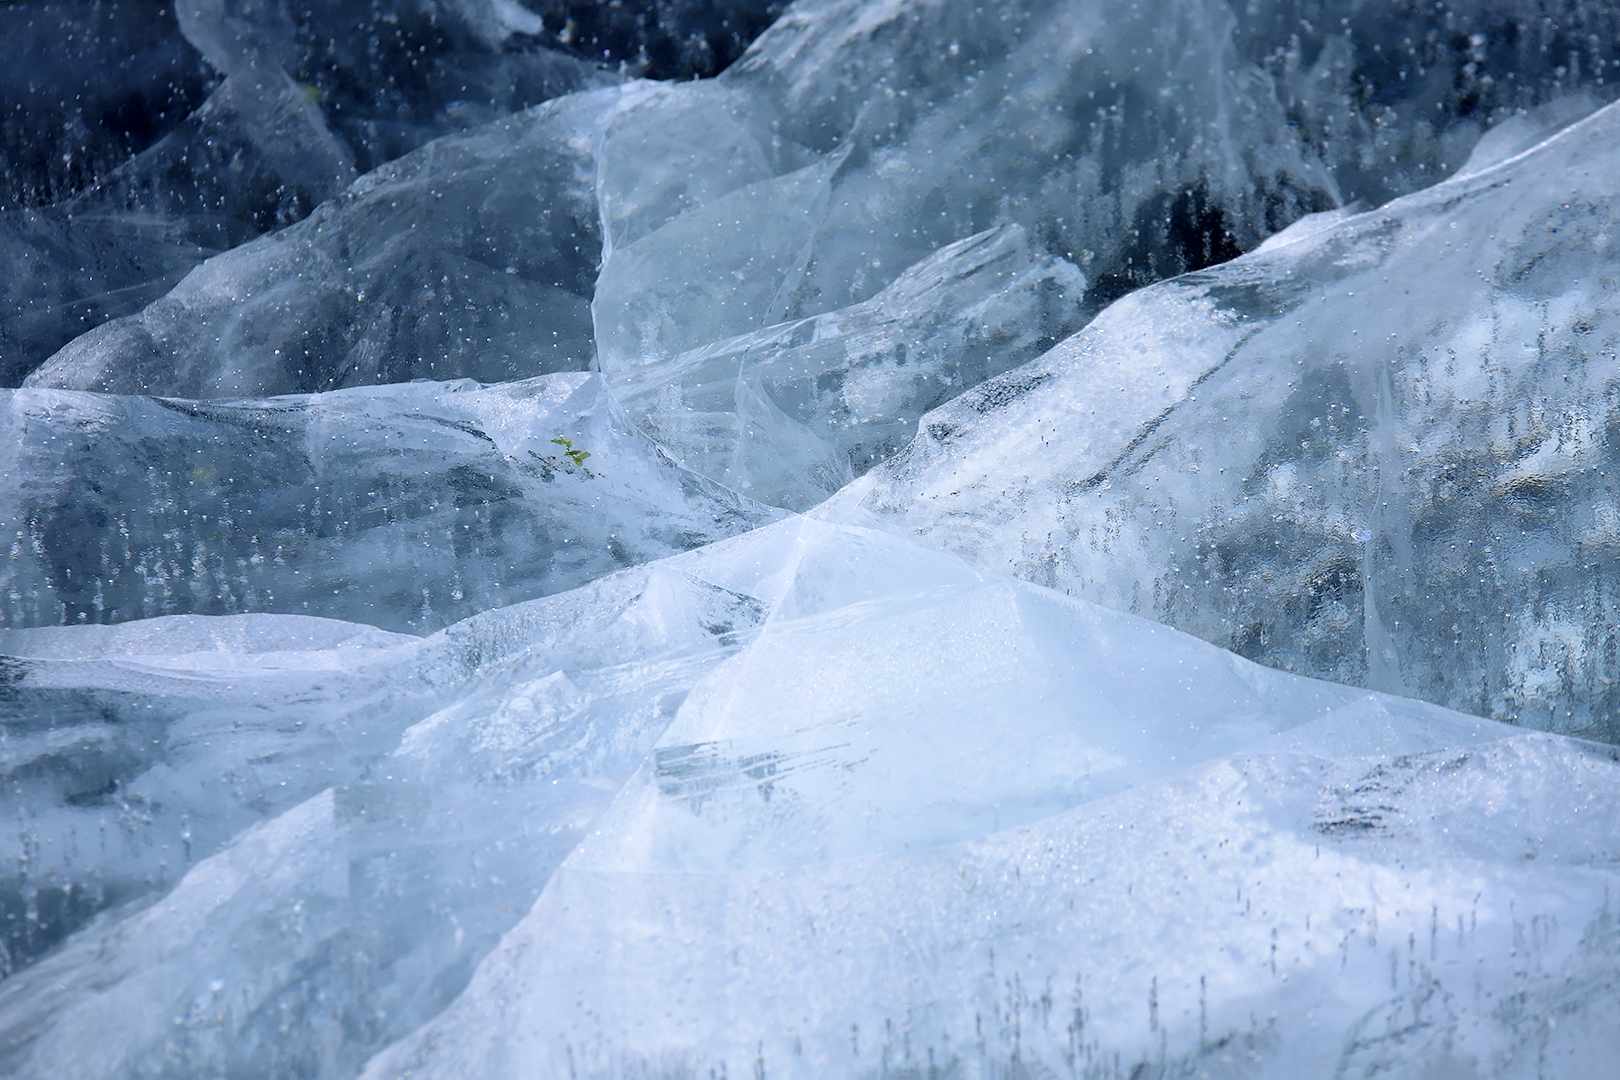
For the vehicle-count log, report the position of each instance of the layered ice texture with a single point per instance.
(1070, 538)
(1379, 449)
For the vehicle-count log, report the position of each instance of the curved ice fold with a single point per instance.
(1377, 454)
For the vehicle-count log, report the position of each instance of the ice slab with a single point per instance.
(407, 507)
(387, 80)
(256, 155)
(792, 797)
(816, 189)
(87, 87)
(935, 820)
(792, 186)
(237, 819)
(67, 270)
(1029, 94)
(669, 148)
(471, 258)
(789, 414)
(193, 642)
(1063, 110)
(1237, 919)
(1374, 454)
(265, 147)
(914, 719)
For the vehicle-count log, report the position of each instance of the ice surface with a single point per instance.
(392, 805)
(610, 588)
(1140, 139)
(1222, 922)
(1014, 91)
(259, 153)
(86, 87)
(415, 272)
(68, 271)
(255, 155)
(1378, 453)
(927, 819)
(796, 185)
(879, 806)
(785, 414)
(387, 80)
(407, 507)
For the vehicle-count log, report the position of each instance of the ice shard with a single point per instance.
(786, 752)
(808, 189)
(285, 124)
(88, 87)
(383, 81)
(1141, 140)
(254, 156)
(415, 272)
(371, 810)
(788, 414)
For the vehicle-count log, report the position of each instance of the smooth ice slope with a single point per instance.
(1381, 453)
(929, 820)
(881, 809)
(407, 507)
